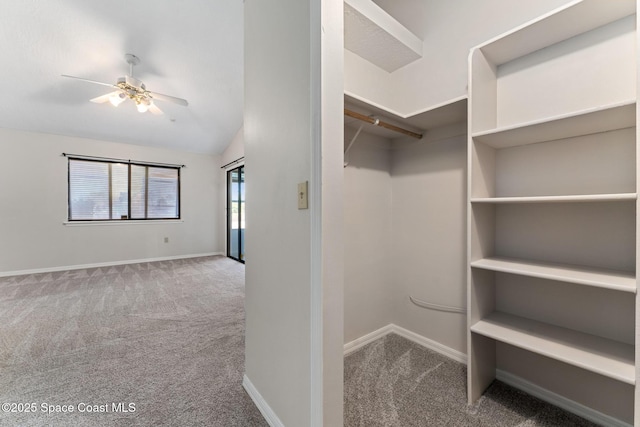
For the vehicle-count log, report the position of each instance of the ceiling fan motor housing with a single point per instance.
(134, 89)
(132, 82)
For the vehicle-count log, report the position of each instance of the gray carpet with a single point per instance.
(167, 337)
(394, 382)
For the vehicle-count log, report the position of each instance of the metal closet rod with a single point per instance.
(377, 122)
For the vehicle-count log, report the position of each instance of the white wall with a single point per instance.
(233, 152)
(449, 29)
(369, 288)
(364, 80)
(405, 235)
(429, 238)
(33, 209)
(327, 268)
(294, 257)
(277, 157)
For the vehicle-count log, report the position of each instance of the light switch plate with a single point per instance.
(303, 199)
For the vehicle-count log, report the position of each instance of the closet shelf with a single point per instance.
(376, 36)
(573, 19)
(577, 198)
(600, 355)
(586, 122)
(608, 279)
(439, 121)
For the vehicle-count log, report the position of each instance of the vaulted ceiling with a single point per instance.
(191, 49)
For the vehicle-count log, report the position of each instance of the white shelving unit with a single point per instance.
(552, 188)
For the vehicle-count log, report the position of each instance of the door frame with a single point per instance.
(229, 171)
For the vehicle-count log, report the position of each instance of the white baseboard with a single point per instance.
(266, 411)
(102, 264)
(507, 378)
(358, 343)
(411, 336)
(451, 353)
(559, 401)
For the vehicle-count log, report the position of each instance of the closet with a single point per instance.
(518, 204)
(405, 222)
(405, 196)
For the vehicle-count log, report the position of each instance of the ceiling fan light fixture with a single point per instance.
(117, 99)
(142, 106)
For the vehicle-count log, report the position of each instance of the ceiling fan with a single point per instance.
(132, 88)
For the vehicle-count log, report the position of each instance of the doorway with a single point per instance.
(235, 213)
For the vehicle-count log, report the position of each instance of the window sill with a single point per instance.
(122, 222)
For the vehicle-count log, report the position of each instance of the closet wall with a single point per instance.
(405, 236)
(428, 251)
(367, 236)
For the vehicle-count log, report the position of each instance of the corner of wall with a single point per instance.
(264, 408)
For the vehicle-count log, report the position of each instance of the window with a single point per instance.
(108, 190)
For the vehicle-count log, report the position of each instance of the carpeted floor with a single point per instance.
(165, 337)
(162, 344)
(394, 382)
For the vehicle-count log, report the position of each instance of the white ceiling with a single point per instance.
(191, 49)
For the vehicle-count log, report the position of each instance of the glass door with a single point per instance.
(235, 213)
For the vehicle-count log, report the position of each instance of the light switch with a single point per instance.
(303, 200)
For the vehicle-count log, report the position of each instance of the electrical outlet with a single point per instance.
(303, 200)
(166, 240)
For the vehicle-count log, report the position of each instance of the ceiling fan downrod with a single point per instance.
(132, 60)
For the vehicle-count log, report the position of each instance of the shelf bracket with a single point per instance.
(353, 140)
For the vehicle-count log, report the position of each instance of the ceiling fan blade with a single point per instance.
(154, 109)
(90, 81)
(168, 98)
(104, 98)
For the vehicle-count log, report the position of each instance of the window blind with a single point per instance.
(102, 190)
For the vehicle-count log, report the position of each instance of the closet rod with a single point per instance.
(377, 122)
